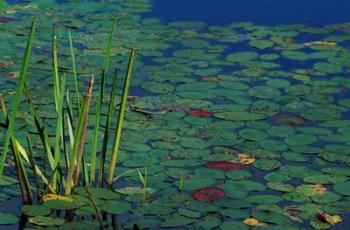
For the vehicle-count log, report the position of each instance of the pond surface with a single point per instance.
(239, 110)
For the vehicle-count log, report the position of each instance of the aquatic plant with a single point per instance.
(66, 177)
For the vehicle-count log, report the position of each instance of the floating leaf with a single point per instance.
(208, 194)
(200, 113)
(324, 217)
(8, 218)
(46, 221)
(35, 210)
(224, 165)
(134, 190)
(342, 188)
(253, 222)
(117, 207)
(311, 189)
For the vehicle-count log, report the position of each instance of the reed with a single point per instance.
(74, 68)
(15, 104)
(66, 177)
(79, 138)
(116, 143)
(99, 104)
(107, 128)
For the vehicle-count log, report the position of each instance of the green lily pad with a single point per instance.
(233, 225)
(300, 139)
(35, 210)
(134, 190)
(261, 44)
(310, 190)
(189, 213)
(279, 186)
(176, 221)
(239, 116)
(8, 218)
(327, 197)
(242, 56)
(117, 207)
(342, 188)
(328, 67)
(46, 221)
(325, 179)
(264, 199)
(253, 134)
(62, 204)
(267, 164)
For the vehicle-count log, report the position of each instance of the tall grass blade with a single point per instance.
(59, 132)
(74, 67)
(107, 128)
(78, 137)
(56, 82)
(15, 104)
(21, 175)
(3, 109)
(114, 154)
(99, 103)
(44, 137)
(32, 165)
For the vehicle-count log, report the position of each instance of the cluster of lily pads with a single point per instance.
(239, 126)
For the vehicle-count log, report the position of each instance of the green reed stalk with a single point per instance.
(32, 165)
(56, 81)
(107, 128)
(21, 175)
(99, 103)
(3, 109)
(74, 67)
(81, 150)
(44, 137)
(15, 104)
(114, 154)
(20, 148)
(59, 132)
(78, 137)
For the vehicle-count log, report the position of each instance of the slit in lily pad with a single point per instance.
(208, 194)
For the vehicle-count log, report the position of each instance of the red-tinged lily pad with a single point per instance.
(224, 165)
(293, 212)
(6, 20)
(289, 119)
(208, 194)
(200, 113)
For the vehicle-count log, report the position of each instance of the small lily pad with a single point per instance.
(35, 210)
(46, 221)
(8, 218)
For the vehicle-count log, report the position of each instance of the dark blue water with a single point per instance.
(268, 12)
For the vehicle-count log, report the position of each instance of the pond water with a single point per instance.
(238, 115)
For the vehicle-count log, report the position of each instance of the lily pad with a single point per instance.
(35, 210)
(208, 194)
(8, 218)
(116, 207)
(46, 221)
(342, 188)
